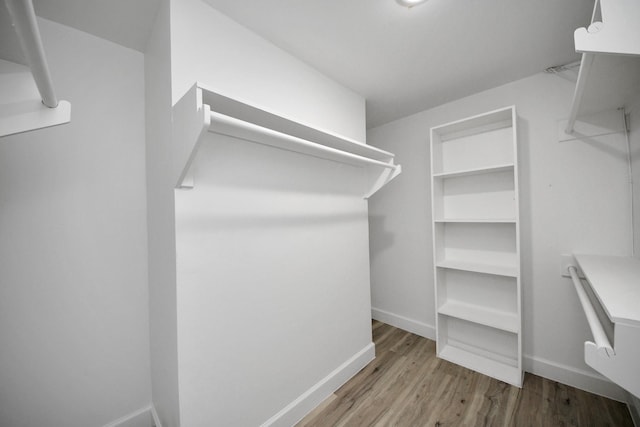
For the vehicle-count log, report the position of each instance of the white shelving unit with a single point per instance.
(474, 188)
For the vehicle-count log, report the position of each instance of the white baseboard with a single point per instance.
(581, 379)
(304, 404)
(143, 417)
(634, 408)
(577, 378)
(404, 323)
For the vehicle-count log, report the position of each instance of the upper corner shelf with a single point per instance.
(609, 75)
(203, 110)
(17, 113)
(614, 29)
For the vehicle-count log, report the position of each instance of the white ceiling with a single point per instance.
(401, 60)
(407, 60)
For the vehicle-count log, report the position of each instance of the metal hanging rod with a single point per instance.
(599, 336)
(23, 18)
(230, 126)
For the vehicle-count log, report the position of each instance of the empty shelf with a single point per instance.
(474, 313)
(475, 171)
(478, 220)
(499, 270)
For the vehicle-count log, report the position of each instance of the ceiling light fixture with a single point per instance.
(410, 3)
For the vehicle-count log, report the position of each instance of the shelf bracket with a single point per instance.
(383, 179)
(191, 120)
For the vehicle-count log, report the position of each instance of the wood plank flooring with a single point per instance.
(407, 385)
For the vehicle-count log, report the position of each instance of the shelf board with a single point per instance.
(498, 270)
(617, 32)
(263, 117)
(483, 364)
(477, 220)
(485, 122)
(502, 320)
(202, 111)
(475, 171)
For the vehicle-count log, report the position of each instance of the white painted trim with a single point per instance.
(404, 323)
(581, 379)
(306, 402)
(573, 377)
(149, 408)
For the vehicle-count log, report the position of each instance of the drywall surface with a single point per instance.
(634, 143)
(273, 280)
(574, 198)
(211, 48)
(73, 253)
(272, 247)
(161, 222)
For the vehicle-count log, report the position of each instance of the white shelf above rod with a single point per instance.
(609, 291)
(201, 111)
(23, 115)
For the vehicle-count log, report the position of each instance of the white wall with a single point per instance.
(273, 279)
(574, 198)
(73, 265)
(161, 222)
(209, 47)
(634, 140)
(273, 272)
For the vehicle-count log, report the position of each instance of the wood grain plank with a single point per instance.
(406, 385)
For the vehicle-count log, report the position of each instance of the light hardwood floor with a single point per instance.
(407, 385)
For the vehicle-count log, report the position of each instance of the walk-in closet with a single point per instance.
(319, 213)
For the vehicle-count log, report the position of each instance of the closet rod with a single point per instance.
(599, 335)
(583, 75)
(230, 126)
(23, 18)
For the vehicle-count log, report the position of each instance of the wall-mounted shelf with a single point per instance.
(477, 220)
(609, 75)
(612, 308)
(476, 171)
(22, 115)
(504, 320)
(474, 189)
(203, 110)
(478, 267)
